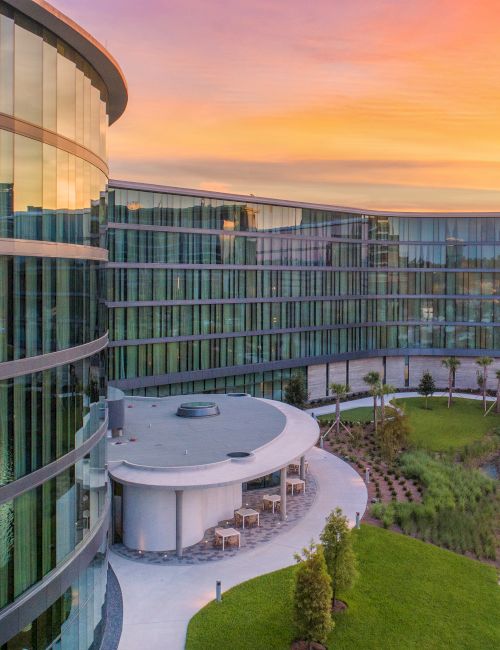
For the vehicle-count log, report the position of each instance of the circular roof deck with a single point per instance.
(163, 439)
(249, 437)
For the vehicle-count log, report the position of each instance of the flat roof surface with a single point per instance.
(162, 437)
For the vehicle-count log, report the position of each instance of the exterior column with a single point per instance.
(303, 468)
(283, 493)
(178, 522)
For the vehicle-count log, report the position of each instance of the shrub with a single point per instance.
(296, 391)
(393, 435)
(378, 510)
(458, 507)
(339, 554)
(312, 596)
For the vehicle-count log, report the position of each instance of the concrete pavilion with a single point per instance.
(183, 460)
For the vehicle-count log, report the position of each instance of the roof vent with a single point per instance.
(197, 409)
(241, 456)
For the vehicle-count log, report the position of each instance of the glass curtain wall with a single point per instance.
(75, 620)
(197, 283)
(41, 527)
(53, 175)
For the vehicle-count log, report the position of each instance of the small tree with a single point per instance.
(451, 364)
(484, 363)
(394, 435)
(340, 391)
(372, 379)
(427, 386)
(296, 391)
(312, 596)
(498, 391)
(339, 554)
(382, 391)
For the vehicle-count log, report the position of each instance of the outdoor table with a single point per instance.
(296, 483)
(243, 513)
(271, 499)
(227, 533)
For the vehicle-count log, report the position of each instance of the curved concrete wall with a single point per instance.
(149, 515)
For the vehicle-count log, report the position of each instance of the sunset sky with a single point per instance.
(372, 103)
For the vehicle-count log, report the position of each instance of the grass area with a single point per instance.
(360, 414)
(443, 429)
(409, 595)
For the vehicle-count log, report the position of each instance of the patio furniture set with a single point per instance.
(248, 517)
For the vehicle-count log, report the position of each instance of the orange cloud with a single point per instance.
(283, 83)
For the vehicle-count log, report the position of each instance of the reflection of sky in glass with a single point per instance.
(377, 103)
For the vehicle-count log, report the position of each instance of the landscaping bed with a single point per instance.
(387, 483)
(430, 490)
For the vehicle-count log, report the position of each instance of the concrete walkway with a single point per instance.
(158, 601)
(368, 401)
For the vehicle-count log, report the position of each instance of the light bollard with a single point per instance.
(367, 475)
(218, 591)
(357, 521)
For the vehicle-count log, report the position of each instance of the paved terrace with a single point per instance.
(159, 601)
(251, 537)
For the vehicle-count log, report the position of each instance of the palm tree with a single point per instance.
(372, 379)
(451, 364)
(498, 391)
(382, 391)
(483, 363)
(340, 391)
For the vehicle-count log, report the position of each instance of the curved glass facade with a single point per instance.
(75, 619)
(54, 109)
(47, 304)
(47, 83)
(41, 527)
(63, 199)
(198, 283)
(45, 415)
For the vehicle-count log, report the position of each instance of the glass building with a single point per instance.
(59, 89)
(203, 292)
(218, 292)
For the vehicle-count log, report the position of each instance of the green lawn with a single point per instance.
(440, 428)
(410, 595)
(360, 414)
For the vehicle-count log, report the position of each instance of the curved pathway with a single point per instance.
(159, 601)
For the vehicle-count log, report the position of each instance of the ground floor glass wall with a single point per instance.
(75, 620)
(41, 527)
(270, 385)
